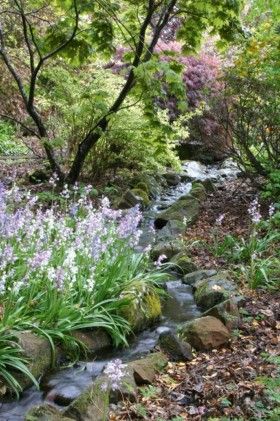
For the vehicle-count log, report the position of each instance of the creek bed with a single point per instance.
(61, 387)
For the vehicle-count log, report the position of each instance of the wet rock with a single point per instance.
(193, 277)
(204, 333)
(143, 308)
(174, 347)
(185, 210)
(95, 340)
(129, 200)
(183, 264)
(145, 369)
(92, 404)
(38, 352)
(227, 312)
(168, 248)
(172, 178)
(214, 290)
(45, 412)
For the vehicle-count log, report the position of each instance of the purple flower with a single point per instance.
(115, 371)
(40, 259)
(254, 211)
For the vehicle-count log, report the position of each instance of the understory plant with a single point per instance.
(256, 256)
(67, 269)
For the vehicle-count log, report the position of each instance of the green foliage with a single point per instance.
(12, 361)
(272, 187)
(256, 257)
(9, 144)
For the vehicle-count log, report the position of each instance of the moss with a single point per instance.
(183, 263)
(144, 306)
(142, 194)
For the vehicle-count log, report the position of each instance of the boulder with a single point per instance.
(193, 277)
(227, 312)
(38, 352)
(172, 178)
(214, 290)
(185, 209)
(45, 412)
(92, 404)
(182, 263)
(174, 348)
(168, 248)
(209, 185)
(143, 308)
(204, 333)
(95, 340)
(145, 369)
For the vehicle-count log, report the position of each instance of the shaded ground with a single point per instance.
(232, 200)
(225, 382)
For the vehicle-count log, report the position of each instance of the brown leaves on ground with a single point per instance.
(232, 200)
(223, 382)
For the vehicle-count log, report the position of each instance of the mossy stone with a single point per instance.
(142, 194)
(144, 307)
(142, 186)
(185, 209)
(198, 191)
(183, 264)
(45, 412)
(212, 291)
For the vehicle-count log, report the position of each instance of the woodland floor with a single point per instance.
(224, 382)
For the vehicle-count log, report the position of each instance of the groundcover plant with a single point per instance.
(66, 268)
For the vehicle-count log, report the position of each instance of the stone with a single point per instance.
(129, 200)
(171, 229)
(95, 340)
(176, 349)
(38, 352)
(198, 191)
(92, 404)
(168, 247)
(184, 209)
(183, 264)
(45, 412)
(193, 277)
(227, 312)
(214, 290)
(143, 308)
(204, 333)
(145, 369)
(172, 178)
(142, 195)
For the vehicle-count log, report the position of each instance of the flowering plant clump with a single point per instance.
(67, 270)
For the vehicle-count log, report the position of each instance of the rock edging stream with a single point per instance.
(170, 222)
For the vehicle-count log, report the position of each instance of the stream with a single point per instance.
(65, 385)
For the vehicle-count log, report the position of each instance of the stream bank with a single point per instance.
(64, 386)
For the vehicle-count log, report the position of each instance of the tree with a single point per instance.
(34, 33)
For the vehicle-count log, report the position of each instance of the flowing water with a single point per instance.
(65, 385)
